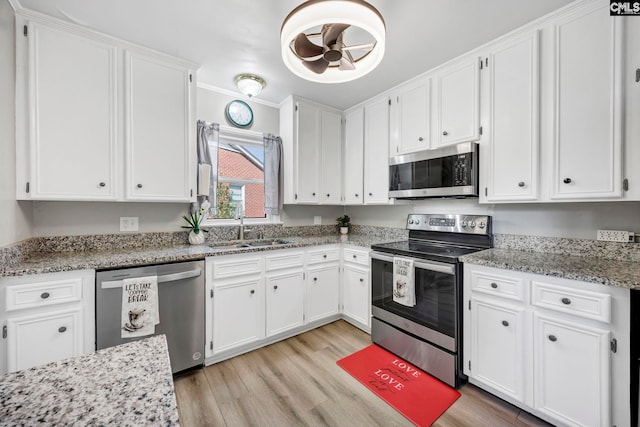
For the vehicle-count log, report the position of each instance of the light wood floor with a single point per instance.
(296, 382)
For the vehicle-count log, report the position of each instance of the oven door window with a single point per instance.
(435, 297)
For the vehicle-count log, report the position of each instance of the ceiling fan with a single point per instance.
(332, 52)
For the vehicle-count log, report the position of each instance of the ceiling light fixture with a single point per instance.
(333, 41)
(250, 84)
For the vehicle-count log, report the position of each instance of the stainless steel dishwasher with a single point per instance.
(181, 299)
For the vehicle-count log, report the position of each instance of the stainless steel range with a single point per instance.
(421, 321)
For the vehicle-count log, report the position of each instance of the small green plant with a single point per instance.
(195, 218)
(343, 221)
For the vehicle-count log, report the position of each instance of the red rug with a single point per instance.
(412, 392)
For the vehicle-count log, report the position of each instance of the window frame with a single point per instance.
(230, 135)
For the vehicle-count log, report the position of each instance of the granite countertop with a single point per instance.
(126, 385)
(49, 262)
(607, 271)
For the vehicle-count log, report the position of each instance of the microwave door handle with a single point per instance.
(113, 284)
(440, 268)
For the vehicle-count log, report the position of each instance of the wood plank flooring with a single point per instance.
(296, 382)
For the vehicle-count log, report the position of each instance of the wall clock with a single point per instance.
(239, 113)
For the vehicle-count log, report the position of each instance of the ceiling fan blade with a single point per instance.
(331, 32)
(319, 66)
(304, 48)
(345, 64)
(366, 47)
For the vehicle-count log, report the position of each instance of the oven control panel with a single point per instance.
(471, 224)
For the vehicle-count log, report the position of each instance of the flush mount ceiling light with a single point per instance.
(250, 84)
(332, 41)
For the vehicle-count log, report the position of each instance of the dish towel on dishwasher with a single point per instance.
(404, 290)
(140, 310)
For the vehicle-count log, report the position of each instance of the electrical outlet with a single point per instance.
(128, 223)
(317, 220)
(615, 236)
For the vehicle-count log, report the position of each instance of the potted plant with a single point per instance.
(344, 222)
(194, 219)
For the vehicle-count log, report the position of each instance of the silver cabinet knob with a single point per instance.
(567, 180)
(139, 185)
(445, 133)
(505, 323)
(521, 184)
(566, 301)
(102, 184)
(62, 329)
(494, 285)
(44, 295)
(553, 338)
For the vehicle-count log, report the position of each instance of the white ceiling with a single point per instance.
(228, 37)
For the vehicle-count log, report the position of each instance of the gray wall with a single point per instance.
(15, 217)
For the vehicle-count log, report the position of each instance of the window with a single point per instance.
(240, 176)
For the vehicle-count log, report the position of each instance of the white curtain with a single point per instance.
(273, 174)
(208, 140)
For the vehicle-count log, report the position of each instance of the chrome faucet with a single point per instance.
(240, 216)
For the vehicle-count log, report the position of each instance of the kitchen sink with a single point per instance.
(248, 244)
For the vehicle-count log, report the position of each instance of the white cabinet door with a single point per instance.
(323, 292)
(331, 160)
(411, 118)
(376, 152)
(72, 116)
(356, 295)
(572, 372)
(354, 157)
(44, 338)
(587, 105)
(458, 102)
(513, 133)
(285, 301)
(159, 150)
(307, 166)
(497, 340)
(238, 314)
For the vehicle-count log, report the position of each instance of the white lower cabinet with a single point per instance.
(356, 289)
(555, 347)
(572, 380)
(285, 301)
(46, 318)
(497, 334)
(323, 291)
(241, 305)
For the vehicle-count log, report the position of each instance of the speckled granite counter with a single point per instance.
(611, 264)
(127, 385)
(49, 262)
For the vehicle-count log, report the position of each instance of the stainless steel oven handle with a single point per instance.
(161, 279)
(425, 265)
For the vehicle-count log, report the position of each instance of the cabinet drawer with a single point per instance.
(498, 285)
(583, 303)
(43, 293)
(324, 255)
(236, 266)
(356, 256)
(284, 259)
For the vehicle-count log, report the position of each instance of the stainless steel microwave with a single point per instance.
(444, 172)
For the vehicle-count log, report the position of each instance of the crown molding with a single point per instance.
(15, 4)
(220, 90)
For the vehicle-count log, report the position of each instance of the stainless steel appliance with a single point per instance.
(429, 334)
(181, 298)
(444, 172)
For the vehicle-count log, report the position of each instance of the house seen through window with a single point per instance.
(240, 180)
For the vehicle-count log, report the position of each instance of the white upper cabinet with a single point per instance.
(312, 142)
(96, 117)
(157, 115)
(354, 157)
(410, 117)
(587, 100)
(376, 151)
(511, 110)
(71, 122)
(458, 102)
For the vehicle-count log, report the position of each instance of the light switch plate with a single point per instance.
(128, 223)
(317, 220)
